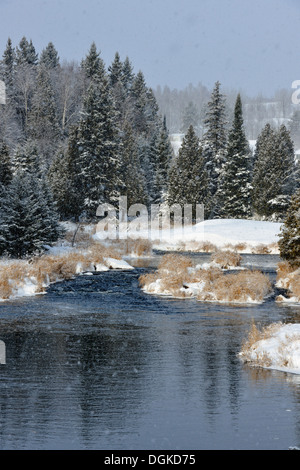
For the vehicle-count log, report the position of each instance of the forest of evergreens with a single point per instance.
(73, 136)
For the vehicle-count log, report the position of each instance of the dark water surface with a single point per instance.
(97, 364)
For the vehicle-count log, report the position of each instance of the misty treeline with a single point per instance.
(76, 135)
(189, 106)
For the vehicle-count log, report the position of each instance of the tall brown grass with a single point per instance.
(243, 287)
(226, 259)
(175, 273)
(52, 268)
(288, 278)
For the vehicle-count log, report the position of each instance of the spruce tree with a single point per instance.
(5, 165)
(214, 144)
(274, 175)
(26, 158)
(235, 190)
(263, 180)
(164, 159)
(28, 217)
(65, 180)
(132, 179)
(190, 117)
(49, 57)
(92, 65)
(25, 53)
(289, 243)
(127, 75)
(187, 176)
(98, 145)
(8, 68)
(42, 122)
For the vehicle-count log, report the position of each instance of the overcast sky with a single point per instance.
(249, 45)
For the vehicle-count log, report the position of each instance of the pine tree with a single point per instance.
(28, 218)
(42, 122)
(49, 57)
(92, 65)
(235, 189)
(132, 179)
(26, 158)
(127, 75)
(289, 243)
(66, 181)
(187, 176)
(190, 117)
(263, 180)
(25, 53)
(274, 175)
(5, 165)
(98, 145)
(8, 68)
(164, 159)
(214, 144)
(115, 70)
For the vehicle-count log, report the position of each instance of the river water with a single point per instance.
(95, 363)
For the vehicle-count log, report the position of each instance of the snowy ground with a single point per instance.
(219, 232)
(279, 349)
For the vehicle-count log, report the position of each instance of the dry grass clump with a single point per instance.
(261, 250)
(140, 247)
(283, 269)
(175, 275)
(41, 271)
(207, 247)
(253, 352)
(174, 263)
(240, 247)
(288, 278)
(172, 273)
(226, 259)
(244, 287)
(11, 274)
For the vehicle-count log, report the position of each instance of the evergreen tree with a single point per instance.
(28, 219)
(187, 176)
(25, 53)
(26, 158)
(98, 145)
(8, 68)
(190, 117)
(49, 57)
(92, 65)
(115, 71)
(263, 170)
(65, 180)
(5, 165)
(132, 179)
(289, 243)
(164, 158)
(214, 145)
(42, 123)
(274, 175)
(127, 75)
(235, 190)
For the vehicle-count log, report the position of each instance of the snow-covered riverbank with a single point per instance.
(275, 347)
(19, 278)
(177, 277)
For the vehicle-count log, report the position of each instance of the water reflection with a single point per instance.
(96, 363)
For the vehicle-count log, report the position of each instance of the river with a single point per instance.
(95, 363)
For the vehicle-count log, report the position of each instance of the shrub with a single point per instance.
(226, 259)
